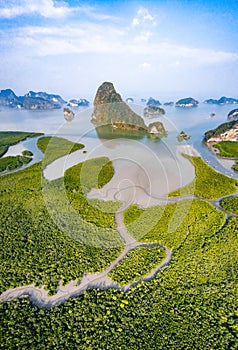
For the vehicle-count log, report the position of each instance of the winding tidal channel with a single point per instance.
(39, 296)
(143, 177)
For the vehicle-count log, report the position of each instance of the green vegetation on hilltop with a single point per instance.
(55, 147)
(219, 130)
(208, 182)
(227, 149)
(137, 264)
(9, 138)
(230, 204)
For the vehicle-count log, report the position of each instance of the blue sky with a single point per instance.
(159, 48)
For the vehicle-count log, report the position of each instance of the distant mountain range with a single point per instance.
(82, 102)
(222, 101)
(45, 101)
(35, 100)
(32, 100)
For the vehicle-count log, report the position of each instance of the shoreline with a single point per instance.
(141, 175)
(135, 189)
(227, 162)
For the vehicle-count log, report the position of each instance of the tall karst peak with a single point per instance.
(106, 93)
(110, 109)
(112, 116)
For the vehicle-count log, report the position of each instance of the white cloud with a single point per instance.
(135, 22)
(108, 39)
(50, 9)
(131, 49)
(87, 37)
(143, 16)
(143, 36)
(35, 41)
(145, 66)
(45, 8)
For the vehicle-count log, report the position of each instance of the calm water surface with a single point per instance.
(194, 121)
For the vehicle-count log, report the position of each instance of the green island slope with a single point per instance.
(190, 304)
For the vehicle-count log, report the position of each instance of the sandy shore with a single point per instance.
(15, 150)
(146, 183)
(227, 163)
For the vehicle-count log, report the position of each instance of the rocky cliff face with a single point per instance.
(38, 103)
(109, 109)
(224, 132)
(9, 99)
(110, 112)
(106, 93)
(157, 128)
(68, 114)
(56, 99)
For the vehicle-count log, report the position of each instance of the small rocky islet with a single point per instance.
(153, 111)
(183, 136)
(233, 115)
(187, 102)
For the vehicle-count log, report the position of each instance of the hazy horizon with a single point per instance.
(165, 49)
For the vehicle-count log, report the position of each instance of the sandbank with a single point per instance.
(15, 150)
(142, 176)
